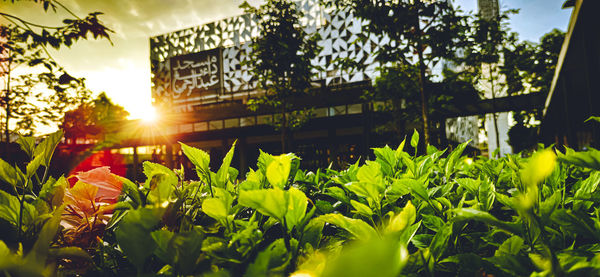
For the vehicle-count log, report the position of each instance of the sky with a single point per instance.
(122, 69)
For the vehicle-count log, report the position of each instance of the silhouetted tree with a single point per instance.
(23, 48)
(281, 61)
(422, 34)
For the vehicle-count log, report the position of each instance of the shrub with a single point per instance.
(400, 214)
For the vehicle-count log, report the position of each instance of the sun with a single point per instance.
(150, 116)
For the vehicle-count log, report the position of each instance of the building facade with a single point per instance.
(200, 77)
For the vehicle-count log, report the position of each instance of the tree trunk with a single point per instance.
(422, 77)
(494, 110)
(7, 103)
(283, 128)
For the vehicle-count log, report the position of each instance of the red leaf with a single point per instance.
(109, 187)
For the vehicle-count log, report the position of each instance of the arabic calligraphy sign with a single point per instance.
(196, 74)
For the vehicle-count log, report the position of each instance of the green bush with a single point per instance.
(401, 214)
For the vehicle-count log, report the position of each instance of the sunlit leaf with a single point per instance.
(371, 173)
(47, 146)
(271, 202)
(223, 172)
(198, 157)
(160, 180)
(356, 227)
(11, 175)
(297, 203)
(361, 208)
(27, 144)
(414, 140)
(278, 170)
(472, 214)
(403, 219)
(589, 159)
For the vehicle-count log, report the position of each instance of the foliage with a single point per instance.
(421, 34)
(401, 214)
(93, 119)
(398, 89)
(281, 61)
(36, 90)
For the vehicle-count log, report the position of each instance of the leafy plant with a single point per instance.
(399, 214)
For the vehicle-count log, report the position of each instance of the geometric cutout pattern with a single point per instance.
(462, 129)
(338, 30)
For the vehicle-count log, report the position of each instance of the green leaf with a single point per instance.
(396, 190)
(432, 222)
(33, 166)
(218, 207)
(589, 159)
(130, 189)
(577, 223)
(486, 196)
(160, 180)
(370, 173)
(264, 159)
(53, 191)
(69, 252)
(199, 158)
(472, 214)
(405, 218)
(297, 203)
(278, 171)
(222, 174)
(361, 208)
(272, 261)
(11, 175)
(440, 241)
(10, 210)
(188, 249)
(356, 227)
(134, 234)
(338, 194)
(270, 202)
(511, 246)
(414, 140)
(593, 118)
(27, 144)
(550, 204)
(417, 188)
(386, 157)
(471, 185)
(453, 158)
(367, 190)
(312, 234)
(375, 257)
(47, 146)
(400, 148)
(254, 180)
(163, 250)
(36, 258)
